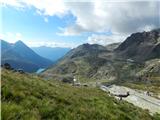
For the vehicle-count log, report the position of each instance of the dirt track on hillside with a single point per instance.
(137, 98)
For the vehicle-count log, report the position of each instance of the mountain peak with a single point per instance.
(91, 46)
(86, 50)
(19, 55)
(19, 42)
(140, 46)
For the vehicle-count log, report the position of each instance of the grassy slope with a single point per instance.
(27, 97)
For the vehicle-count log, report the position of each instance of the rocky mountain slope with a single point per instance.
(21, 56)
(83, 62)
(141, 46)
(88, 63)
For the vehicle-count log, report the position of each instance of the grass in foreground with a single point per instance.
(28, 97)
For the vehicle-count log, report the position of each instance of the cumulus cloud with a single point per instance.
(121, 17)
(70, 31)
(99, 15)
(44, 7)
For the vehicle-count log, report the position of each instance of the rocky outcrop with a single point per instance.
(141, 46)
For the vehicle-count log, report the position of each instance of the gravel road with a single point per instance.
(137, 98)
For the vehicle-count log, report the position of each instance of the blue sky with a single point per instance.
(56, 23)
(27, 25)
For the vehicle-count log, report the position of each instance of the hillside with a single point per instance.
(81, 62)
(21, 56)
(28, 97)
(51, 53)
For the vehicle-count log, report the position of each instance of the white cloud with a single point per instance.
(14, 3)
(70, 31)
(11, 37)
(14, 37)
(50, 44)
(18, 36)
(147, 28)
(1, 36)
(105, 39)
(123, 17)
(44, 7)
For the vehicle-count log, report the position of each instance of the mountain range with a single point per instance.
(135, 59)
(51, 53)
(30, 96)
(20, 56)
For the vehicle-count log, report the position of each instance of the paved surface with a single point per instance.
(137, 98)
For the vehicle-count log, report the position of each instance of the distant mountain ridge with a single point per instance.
(51, 53)
(21, 56)
(86, 50)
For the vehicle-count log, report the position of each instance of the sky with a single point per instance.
(59, 23)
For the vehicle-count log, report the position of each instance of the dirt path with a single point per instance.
(137, 98)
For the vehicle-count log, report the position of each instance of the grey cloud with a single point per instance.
(120, 17)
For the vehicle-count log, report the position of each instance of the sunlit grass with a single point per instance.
(28, 97)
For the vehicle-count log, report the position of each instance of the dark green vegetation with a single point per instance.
(28, 97)
(136, 61)
(20, 56)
